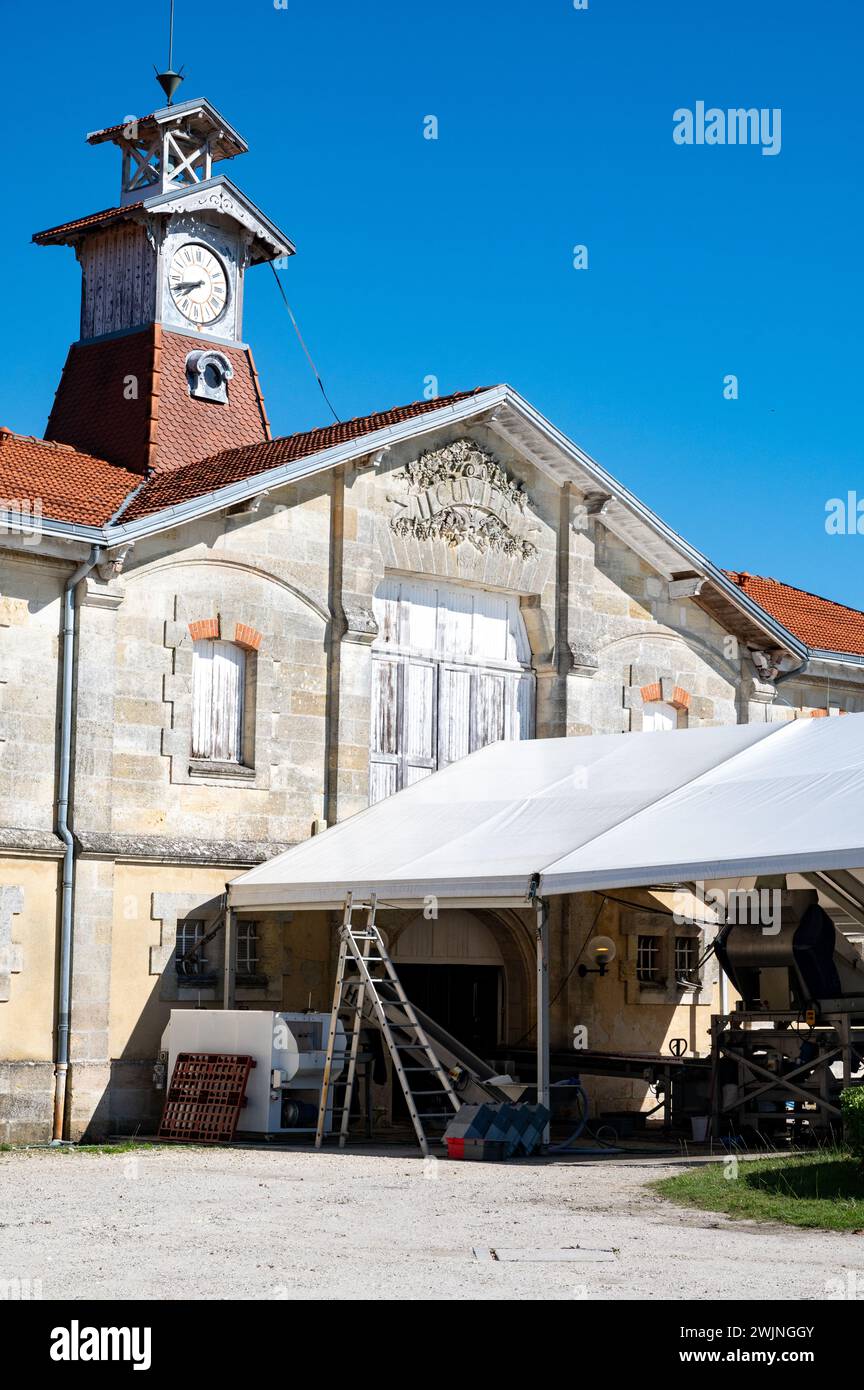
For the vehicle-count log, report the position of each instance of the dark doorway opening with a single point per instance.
(464, 999)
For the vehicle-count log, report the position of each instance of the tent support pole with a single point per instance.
(230, 962)
(541, 908)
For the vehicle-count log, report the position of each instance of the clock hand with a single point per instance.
(188, 285)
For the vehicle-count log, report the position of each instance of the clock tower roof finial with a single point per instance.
(169, 80)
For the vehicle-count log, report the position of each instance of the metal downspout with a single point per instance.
(61, 1066)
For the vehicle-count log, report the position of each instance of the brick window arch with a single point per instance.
(664, 706)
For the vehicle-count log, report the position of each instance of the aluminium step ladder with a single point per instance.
(366, 981)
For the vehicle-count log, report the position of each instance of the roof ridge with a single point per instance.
(346, 424)
(6, 433)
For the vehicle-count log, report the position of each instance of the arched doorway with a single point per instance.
(451, 672)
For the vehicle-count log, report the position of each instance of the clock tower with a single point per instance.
(160, 375)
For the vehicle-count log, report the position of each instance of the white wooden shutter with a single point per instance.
(454, 723)
(384, 746)
(451, 673)
(218, 679)
(419, 721)
(659, 716)
(487, 723)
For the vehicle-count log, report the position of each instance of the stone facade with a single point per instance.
(292, 581)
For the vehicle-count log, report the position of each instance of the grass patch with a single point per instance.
(122, 1146)
(824, 1189)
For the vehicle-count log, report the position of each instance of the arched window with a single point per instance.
(659, 715)
(218, 689)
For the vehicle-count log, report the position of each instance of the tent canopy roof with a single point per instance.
(594, 812)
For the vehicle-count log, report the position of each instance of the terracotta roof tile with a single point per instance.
(67, 484)
(819, 622)
(159, 426)
(95, 409)
(82, 224)
(233, 465)
(187, 430)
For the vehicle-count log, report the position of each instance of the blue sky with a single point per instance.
(453, 257)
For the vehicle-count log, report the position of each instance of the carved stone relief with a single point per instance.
(461, 494)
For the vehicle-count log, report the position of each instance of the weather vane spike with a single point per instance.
(170, 80)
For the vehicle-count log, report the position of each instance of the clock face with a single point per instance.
(198, 283)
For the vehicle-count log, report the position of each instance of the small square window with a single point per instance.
(687, 960)
(247, 948)
(189, 967)
(648, 959)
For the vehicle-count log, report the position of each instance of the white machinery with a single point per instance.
(284, 1088)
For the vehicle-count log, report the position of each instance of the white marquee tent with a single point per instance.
(603, 811)
(519, 822)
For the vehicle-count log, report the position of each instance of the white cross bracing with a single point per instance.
(167, 158)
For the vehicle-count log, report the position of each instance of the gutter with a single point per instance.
(61, 1067)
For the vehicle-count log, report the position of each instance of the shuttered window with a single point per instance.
(218, 683)
(451, 673)
(658, 716)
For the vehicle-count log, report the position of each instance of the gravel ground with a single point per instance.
(276, 1224)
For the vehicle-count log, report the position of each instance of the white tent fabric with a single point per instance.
(601, 811)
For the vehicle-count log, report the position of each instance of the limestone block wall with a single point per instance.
(30, 623)
(253, 579)
(28, 918)
(147, 902)
(825, 692)
(647, 640)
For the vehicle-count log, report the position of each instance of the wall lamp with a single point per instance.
(602, 952)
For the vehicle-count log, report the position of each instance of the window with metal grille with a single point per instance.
(686, 960)
(189, 932)
(218, 686)
(648, 959)
(247, 948)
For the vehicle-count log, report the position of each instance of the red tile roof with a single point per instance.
(233, 465)
(98, 136)
(95, 409)
(84, 224)
(818, 622)
(67, 484)
(187, 429)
